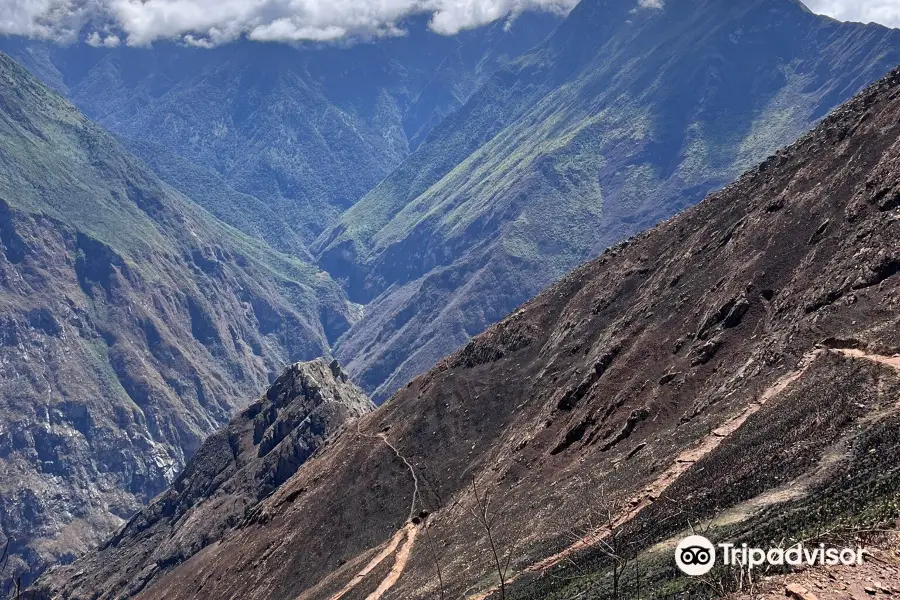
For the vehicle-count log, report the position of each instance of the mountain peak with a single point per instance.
(223, 485)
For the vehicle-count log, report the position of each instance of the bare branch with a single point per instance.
(501, 560)
(434, 557)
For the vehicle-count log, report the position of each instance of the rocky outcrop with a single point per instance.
(222, 486)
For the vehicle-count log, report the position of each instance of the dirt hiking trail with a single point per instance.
(400, 546)
(687, 459)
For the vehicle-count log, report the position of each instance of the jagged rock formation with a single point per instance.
(736, 365)
(132, 325)
(224, 483)
(621, 118)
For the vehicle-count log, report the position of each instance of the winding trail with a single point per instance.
(400, 546)
(400, 561)
(388, 550)
(682, 464)
(687, 459)
(412, 472)
(891, 361)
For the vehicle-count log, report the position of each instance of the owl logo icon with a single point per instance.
(695, 555)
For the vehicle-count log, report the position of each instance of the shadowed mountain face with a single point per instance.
(621, 118)
(277, 140)
(133, 325)
(736, 365)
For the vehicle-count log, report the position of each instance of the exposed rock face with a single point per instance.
(223, 484)
(791, 427)
(132, 326)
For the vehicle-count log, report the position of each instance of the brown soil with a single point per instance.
(877, 578)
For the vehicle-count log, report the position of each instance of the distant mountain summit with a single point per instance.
(622, 117)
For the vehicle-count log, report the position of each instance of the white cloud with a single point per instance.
(212, 22)
(57, 19)
(652, 4)
(97, 40)
(886, 12)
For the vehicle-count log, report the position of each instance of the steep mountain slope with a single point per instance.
(231, 473)
(133, 325)
(305, 130)
(621, 118)
(735, 366)
(475, 58)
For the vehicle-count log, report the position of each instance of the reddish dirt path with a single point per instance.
(687, 459)
(891, 361)
(682, 464)
(389, 550)
(400, 562)
(401, 553)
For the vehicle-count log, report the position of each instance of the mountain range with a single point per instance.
(732, 371)
(621, 118)
(278, 140)
(444, 180)
(255, 205)
(167, 304)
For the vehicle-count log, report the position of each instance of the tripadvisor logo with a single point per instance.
(696, 555)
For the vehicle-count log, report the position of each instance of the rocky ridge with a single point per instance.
(224, 483)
